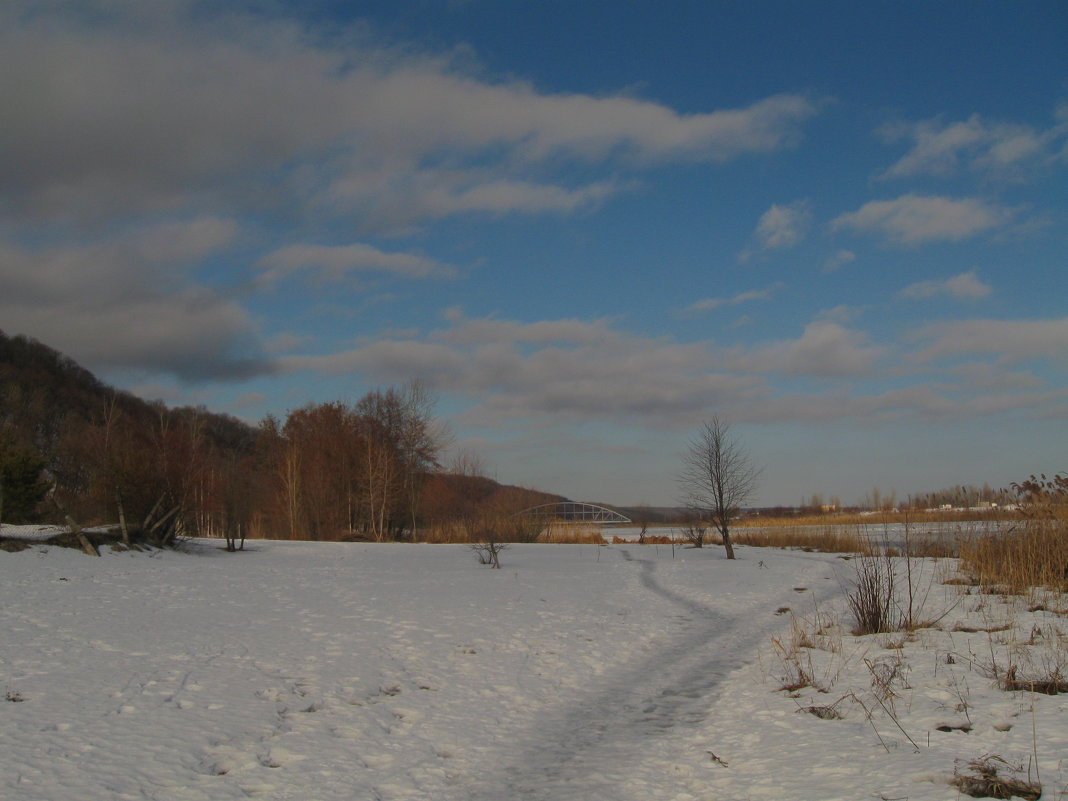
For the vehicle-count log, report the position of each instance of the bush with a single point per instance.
(872, 598)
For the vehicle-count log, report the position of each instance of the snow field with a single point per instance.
(361, 671)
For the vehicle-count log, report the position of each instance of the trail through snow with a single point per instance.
(604, 743)
(321, 671)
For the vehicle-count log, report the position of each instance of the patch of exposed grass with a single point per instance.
(985, 778)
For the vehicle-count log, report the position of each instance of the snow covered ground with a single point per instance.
(359, 671)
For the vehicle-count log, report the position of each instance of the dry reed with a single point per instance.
(880, 518)
(1031, 554)
(572, 534)
(825, 539)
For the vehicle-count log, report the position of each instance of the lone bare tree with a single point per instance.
(717, 477)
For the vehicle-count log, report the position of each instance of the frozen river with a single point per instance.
(884, 535)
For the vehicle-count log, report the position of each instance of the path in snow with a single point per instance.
(330, 672)
(617, 740)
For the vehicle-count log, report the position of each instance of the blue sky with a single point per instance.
(586, 226)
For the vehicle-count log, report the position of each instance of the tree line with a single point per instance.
(70, 445)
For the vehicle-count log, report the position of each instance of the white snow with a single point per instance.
(319, 671)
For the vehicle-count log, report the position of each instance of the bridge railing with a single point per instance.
(576, 511)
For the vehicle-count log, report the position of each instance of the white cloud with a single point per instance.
(338, 262)
(563, 371)
(838, 260)
(783, 226)
(479, 331)
(1008, 340)
(578, 370)
(708, 304)
(916, 219)
(941, 148)
(965, 286)
(177, 107)
(826, 349)
(986, 376)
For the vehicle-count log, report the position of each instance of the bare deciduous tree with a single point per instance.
(717, 477)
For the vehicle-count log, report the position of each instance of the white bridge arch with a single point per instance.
(575, 511)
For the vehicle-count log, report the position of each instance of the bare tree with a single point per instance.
(717, 477)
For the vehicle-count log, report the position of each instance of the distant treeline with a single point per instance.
(71, 445)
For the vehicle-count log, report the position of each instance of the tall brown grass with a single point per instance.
(825, 539)
(509, 528)
(572, 533)
(1033, 553)
(880, 518)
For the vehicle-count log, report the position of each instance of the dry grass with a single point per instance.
(1033, 553)
(880, 518)
(572, 534)
(825, 539)
(449, 531)
(509, 528)
(485, 528)
(986, 779)
(650, 539)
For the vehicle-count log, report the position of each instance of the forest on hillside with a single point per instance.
(71, 446)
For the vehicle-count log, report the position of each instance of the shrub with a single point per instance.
(872, 598)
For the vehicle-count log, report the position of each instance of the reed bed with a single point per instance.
(571, 534)
(509, 528)
(890, 517)
(825, 539)
(1033, 553)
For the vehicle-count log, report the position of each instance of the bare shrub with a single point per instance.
(488, 551)
(872, 598)
(695, 533)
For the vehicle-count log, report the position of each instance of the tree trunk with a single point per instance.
(122, 518)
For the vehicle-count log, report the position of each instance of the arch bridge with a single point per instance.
(576, 512)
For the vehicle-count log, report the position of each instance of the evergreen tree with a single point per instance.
(21, 486)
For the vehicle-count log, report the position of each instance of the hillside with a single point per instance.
(96, 442)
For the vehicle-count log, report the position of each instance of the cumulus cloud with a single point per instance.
(169, 109)
(942, 148)
(915, 219)
(783, 226)
(966, 286)
(779, 228)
